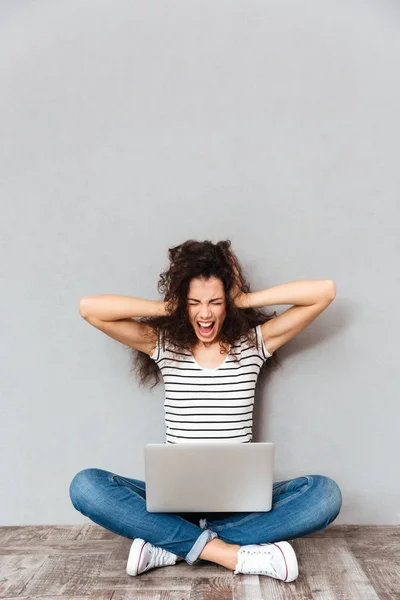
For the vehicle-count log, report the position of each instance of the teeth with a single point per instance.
(205, 324)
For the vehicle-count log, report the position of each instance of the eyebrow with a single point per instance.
(212, 300)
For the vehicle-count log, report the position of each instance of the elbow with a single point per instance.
(331, 289)
(83, 307)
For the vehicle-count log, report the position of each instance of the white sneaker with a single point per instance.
(277, 560)
(143, 556)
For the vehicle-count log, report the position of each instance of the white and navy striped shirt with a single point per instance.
(210, 404)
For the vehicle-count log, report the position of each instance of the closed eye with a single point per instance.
(194, 303)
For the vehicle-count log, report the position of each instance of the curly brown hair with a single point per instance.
(201, 260)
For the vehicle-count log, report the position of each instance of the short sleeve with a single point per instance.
(264, 353)
(157, 350)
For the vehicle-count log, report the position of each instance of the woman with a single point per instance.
(209, 329)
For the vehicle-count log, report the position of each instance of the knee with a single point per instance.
(329, 497)
(80, 487)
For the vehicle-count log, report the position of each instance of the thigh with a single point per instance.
(92, 482)
(300, 506)
(280, 491)
(92, 490)
(118, 504)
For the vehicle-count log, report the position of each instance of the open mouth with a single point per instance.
(206, 331)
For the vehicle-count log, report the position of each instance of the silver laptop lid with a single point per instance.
(209, 476)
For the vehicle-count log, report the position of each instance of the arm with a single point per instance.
(110, 307)
(301, 293)
(310, 297)
(113, 315)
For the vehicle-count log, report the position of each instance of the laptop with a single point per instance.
(209, 476)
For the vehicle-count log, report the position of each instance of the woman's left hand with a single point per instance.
(242, 300)
(238, 297)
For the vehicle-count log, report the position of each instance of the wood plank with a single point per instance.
(87, 562)
(175, 595)
(332, 571)
(150, 595)
(212, 588)
(7, 533)
(378, 553)
(247, 587)
(144, 595)
(67, 575)
(50, 548)
(17, 571)
(346, 531)
(30, 533)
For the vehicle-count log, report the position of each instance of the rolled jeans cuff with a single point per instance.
(206, 536)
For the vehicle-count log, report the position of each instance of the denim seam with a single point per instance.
(299, 493)
(129, 483)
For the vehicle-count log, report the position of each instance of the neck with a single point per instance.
(200, 345)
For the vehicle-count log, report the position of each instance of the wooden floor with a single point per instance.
(347, 562)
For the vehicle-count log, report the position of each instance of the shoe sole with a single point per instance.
(135, 554)
(289, 556)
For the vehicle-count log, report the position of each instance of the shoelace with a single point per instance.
(260, 564)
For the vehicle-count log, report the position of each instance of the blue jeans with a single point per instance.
(300, 506)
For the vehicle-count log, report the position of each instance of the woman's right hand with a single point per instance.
(170, 306)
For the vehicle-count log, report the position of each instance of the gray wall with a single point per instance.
(129, 127)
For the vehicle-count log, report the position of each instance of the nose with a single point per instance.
(205, 316)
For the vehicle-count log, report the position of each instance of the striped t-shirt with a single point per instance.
(210, 404)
